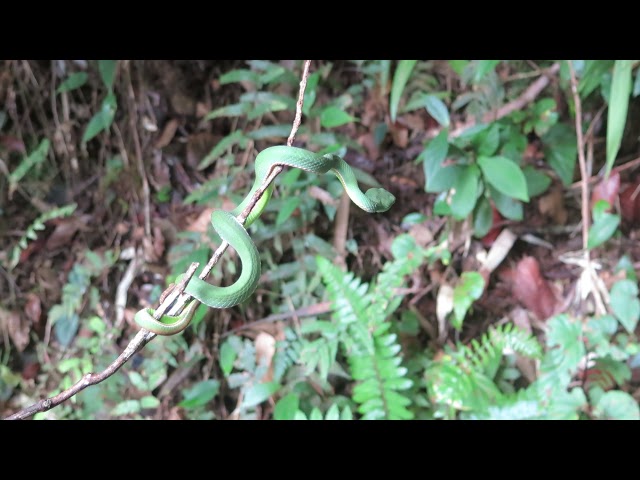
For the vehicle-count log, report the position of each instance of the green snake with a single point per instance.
(231, 230)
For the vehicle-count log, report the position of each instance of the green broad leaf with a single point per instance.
(66, 324)
(128, 407)
(458, 66)
(103, 119)
(437, 109)
(223, 145)
(484, 67)
(626, 264)
(256, 394)
(482, 218)
(617, 405)
(505, 176)
(286, 407)
(149, 402)
(200, 394)
(537, 181)
(35, 158)
(68, 364)
(400, 79)
(270, 131)
(618, 106)
(625, 303)
(138, 381)
(560, 151)
(334, 117)
(413, 219)
(234, 110)
(310, 93)
(228, 356)
(565, 347)
(490, 141)
(287, 208)
(300, 416)
(602, 229)
(403, 246)
(469, 289)
(591, 77)
(443, 179)
(73, 81)
(434, 154)
(107, 70)
(509, 207)
(242, 75)
(466, 191)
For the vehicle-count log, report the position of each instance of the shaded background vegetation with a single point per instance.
(470, 298)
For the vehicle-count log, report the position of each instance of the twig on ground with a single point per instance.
(144, 336)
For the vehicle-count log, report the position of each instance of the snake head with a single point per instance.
(381, 198)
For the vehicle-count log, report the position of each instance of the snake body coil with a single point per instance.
(230, 230)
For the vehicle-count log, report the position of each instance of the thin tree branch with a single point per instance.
(584, 177)
(144, 336)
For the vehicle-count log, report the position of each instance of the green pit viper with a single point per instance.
(231, 230)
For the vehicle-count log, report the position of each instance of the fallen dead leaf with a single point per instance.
(607, 190)
(400, 135)
(265, 350)
(630, 203)
(17, 327)
(444, 306)
(65, 229)
(532, 290)
(198, 146)
(176, 413)
(33, 307)
(168, 132)
(201, 223)
(421, 234)
(552, 205)
(12, 144)
(369, 144)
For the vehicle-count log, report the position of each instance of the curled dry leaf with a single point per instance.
(607, 190)
(552, 205)
(33, 308)
(201, 223)
(65, 229)
(444, 306)
(400, 135)
(198, 146)
(17, 327)
(168, 132)
(630, 203)
(532, 290)
(496, 228)
(265, 350)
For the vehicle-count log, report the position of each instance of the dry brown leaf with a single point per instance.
(176, 413)
(607, 190)
(369, 144)
(421, 234)
(201, 223)
(12, 144)
(552, 205)
(198, 146)
(65, 229)
(532, 290)
(630, 203)
(16, 326)
(168, 132)
(400, 135)
(265, 350)
(33, 307)
(444, 306)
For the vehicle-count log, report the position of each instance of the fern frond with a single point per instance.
(372, 352)
(464, 379)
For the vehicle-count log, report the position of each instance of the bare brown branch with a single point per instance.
(176, 297)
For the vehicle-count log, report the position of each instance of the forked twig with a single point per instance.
(144, 336)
